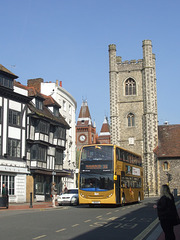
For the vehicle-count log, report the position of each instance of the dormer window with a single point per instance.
(6, 82)
(56, 111)
(39, 104)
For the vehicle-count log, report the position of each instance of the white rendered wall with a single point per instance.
(68, 111)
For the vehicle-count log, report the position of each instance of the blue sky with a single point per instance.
(68, 40)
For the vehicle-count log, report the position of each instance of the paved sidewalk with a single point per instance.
(176, 230)
(21, 206)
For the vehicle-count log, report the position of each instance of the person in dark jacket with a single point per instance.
(4, 190)
(167, 212)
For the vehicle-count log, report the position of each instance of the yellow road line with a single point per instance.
(147, 230)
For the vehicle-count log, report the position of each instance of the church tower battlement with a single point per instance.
(133, 107)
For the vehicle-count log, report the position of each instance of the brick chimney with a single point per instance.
(36, 83)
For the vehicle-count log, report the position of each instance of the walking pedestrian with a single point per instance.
(167, 212)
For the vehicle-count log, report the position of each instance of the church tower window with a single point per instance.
(130, 87)
(165, 166)
(131, 120)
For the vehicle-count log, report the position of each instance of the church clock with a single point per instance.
(82, 137)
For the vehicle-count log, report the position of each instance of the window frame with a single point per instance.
(6, 82)
(41, 126)
(59, 133)
(9, 181)
(38, 152)
(130, 87)
(131, 119)
(39, 104)
(166, 166)
(14, 117)
(59, 157)
(14, 148)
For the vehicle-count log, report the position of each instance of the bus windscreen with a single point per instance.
(96, 168)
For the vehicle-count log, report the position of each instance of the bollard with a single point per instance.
(7, 201)
(31, 206)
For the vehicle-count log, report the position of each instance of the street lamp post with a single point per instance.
(53, 174)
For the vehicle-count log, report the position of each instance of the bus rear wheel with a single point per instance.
(123, 200)
(139, 198)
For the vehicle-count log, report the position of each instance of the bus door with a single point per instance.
(118, 198)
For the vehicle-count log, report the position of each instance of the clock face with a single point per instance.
(82, 138)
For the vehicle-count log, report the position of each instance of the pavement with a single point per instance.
(23, 206)
(176, 229)
(156, 234)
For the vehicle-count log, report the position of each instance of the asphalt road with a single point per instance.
(81, 222)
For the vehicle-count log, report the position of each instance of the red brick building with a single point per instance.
(85, 128)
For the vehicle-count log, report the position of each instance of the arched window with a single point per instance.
(165, 166)
(131, 120)
(130, 87)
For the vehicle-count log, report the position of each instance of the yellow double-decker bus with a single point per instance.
(109, 174)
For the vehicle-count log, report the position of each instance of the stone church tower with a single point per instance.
(133, 107)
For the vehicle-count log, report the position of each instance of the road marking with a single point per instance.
(117, 226)
(88, 220)
(117, 211)
(147, 230)
(60, 230)
(132, 219)
(98, 216)
(107, 225)
(113, 218)
(39, 237)
(108, 213)
(75, 225)
(98, 224)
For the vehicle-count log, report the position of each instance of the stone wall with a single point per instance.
(174, 171)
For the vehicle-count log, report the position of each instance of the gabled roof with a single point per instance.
(168, 141)
(46, 114)
(47, 101)
(5, 70)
